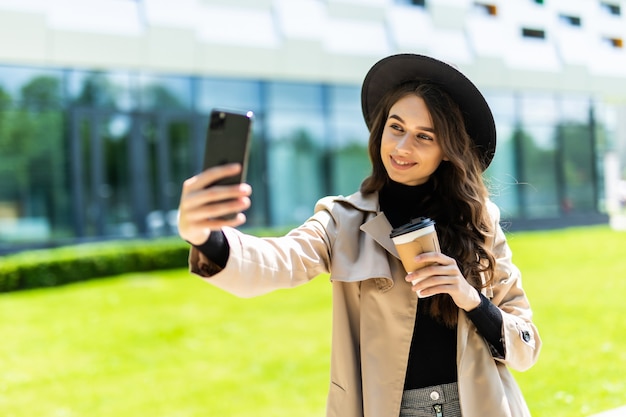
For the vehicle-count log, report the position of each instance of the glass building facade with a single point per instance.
(87, 155)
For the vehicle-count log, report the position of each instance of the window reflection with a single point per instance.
(347, 153)
(94, 154)
(172, 93)
(229, 94)
(502, 177)
(296, 142)
(537, 143)
(103, 90)
(33, 159)
(538, 158)
(19, 83)
(577, 156)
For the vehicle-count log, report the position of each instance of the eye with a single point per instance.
(424, 136)
(396, 127)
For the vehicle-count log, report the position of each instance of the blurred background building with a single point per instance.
(104, 103)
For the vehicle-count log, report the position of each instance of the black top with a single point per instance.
(432, 358)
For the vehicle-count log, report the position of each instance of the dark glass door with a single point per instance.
(127, 171)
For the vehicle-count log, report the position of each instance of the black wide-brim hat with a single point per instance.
(395, 70)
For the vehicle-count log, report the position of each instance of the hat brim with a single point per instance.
(395, 70)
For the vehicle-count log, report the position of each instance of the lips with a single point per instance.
(401, 164)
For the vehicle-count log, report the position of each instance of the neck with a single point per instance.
(401, 202)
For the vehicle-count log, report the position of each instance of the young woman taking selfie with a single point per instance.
(435, 341)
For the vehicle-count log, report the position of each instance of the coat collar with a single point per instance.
(376, 224)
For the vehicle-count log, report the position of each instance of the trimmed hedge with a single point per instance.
(64, 265)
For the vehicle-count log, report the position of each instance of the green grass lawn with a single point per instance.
(167, 344)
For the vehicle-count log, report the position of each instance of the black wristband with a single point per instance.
(487, 318)
(216, 248)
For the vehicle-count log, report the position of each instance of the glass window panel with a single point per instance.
(115, 191)
(577, 165)
(100, 89)
(538, 108)
(294, 165)
(229, 94)
(296, 140)
(285, 96)
(103, 176)
(257, 214)
(165, 92)
(502, 106)
(575, 109)
(34, 204)
(17, 83)
(169, 163)
(501, 176)
(349, 160)
(539, 117)
(538, 158)
(344, 97)
(577, 155)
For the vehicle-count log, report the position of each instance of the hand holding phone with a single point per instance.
(203, 206)
(227, 142)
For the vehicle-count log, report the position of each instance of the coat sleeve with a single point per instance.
(521, 338)
(257, 266)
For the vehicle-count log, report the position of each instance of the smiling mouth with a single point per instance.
(401, 164)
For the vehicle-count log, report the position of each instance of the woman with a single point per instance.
(433, 342)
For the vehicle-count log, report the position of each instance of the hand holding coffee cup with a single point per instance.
(416, 237)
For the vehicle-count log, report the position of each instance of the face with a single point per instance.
(409, 148)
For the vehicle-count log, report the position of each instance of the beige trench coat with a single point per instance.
(374, 308)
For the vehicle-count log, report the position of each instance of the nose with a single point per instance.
(404, 145)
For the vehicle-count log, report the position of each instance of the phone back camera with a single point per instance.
(218, 120)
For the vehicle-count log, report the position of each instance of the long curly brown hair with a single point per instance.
(458, 201)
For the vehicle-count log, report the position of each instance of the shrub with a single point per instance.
(64, 265)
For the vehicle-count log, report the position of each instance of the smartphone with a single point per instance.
(228, 141)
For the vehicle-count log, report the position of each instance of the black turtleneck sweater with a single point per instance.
(432, 358)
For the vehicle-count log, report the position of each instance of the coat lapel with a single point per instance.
(375, 248)
(378, 228)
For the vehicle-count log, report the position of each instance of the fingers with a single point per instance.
(431, 284)
(216, 224)
(436, 264)
(207, 211)
(443, 276)
(198, 191)
(210, 176)
(216, 201)
(205, 207)
(435, 257)
(440, 276)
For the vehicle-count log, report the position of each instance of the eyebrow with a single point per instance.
(427, 129)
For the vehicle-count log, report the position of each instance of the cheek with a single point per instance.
(383, 146)
(386, 144)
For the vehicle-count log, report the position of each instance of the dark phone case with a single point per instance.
(228, 141)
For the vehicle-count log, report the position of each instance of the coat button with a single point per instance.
(526, 336)
(434, 395)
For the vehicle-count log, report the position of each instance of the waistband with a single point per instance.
(437, 394)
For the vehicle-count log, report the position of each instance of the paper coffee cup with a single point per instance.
(413, 238)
